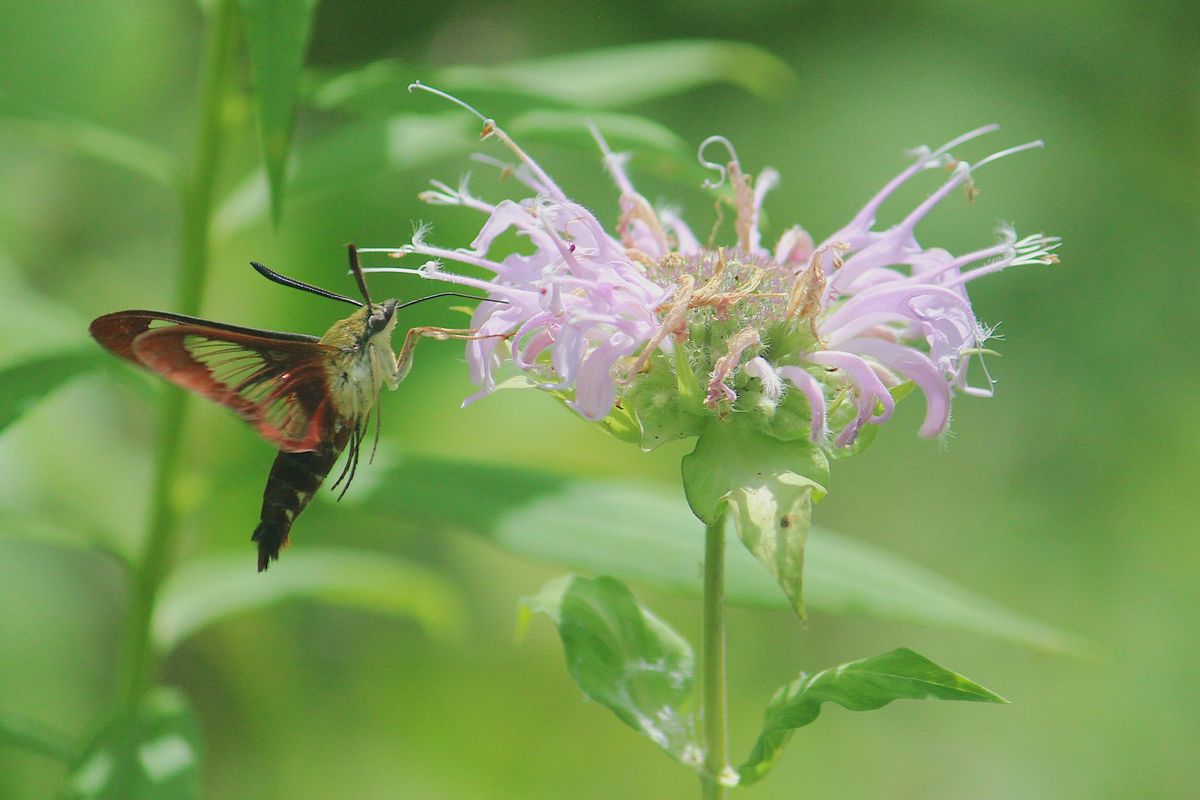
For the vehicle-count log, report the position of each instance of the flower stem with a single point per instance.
(196, 199)
(712, 661)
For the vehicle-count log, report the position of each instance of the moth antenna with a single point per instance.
(284, 280)
(356, 268)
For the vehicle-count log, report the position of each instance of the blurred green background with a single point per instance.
(1070, 496)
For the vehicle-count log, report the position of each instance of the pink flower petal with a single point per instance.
(812, 392)
(918, 368)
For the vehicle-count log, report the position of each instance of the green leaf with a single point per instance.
(852, 577)
(66, 529)
(645, 534)
(153, 757)
(209, 590)
(24, 384)
(622, 76)
(100, 143)
(625, 658)
(277, 32)
(863, 685)
(595, 79)
(380, 86)
(767, 485)
(621, 131)
(35, 737)
(356, 150)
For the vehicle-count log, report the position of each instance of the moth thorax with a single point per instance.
(357, 377)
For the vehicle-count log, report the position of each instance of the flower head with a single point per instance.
(817, 338)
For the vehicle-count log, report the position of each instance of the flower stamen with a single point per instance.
(674, 322)
(738, 344)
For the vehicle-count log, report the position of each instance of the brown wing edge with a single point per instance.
(116, 331)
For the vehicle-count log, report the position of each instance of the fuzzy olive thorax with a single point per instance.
(363, 359)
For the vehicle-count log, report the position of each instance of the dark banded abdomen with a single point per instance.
(294, 479)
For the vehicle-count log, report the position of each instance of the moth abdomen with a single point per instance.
(294, 479)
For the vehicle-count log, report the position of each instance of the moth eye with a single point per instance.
(376, 323)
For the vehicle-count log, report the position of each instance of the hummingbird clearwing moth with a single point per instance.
(312, 397)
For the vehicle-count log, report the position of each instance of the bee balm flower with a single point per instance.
(644, 321)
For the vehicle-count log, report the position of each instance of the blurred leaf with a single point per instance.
(380, 87)
(606, 78)
(207, 591)
(68, 533)
(154, 757)
(647, 535)
(24, 384)
(277, 32)
(853, 577)
(103, 144)
(356, 150)
(398, 143)
(622, 131)
(625, 658)
(621, 76)
(655, 148)
(767, 485)
(26, 734)
(863, 685)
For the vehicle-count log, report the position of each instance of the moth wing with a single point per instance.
(278, 382)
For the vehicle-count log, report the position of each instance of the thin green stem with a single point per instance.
(196, 199)
(712, 661)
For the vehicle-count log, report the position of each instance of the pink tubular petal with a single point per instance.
(794, 248)
(895, 245)
(533, 348)
(853, 233)
(768, 179)
(892, 303)
(528, 334)
(917, 367)
(508, 214)
(870, 389)
(595, 390)
(811, 389)
(685, 239)
(569, 352)
(491, 321)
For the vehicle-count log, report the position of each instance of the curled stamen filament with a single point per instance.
(720, 169)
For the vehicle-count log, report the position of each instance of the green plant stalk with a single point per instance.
(712, 661)
(196, 199)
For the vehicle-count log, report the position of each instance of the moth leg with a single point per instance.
(347, 474)
(405, 359)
